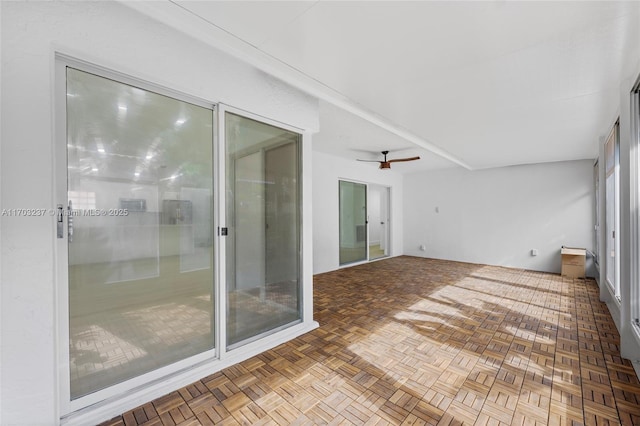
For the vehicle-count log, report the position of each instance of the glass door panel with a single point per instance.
(263, 216)
(140, 247)
(353, 222)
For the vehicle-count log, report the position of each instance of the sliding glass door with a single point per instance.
(364, 222)
(137, 234)
(263, 219)
(139, 223)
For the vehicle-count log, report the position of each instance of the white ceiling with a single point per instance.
(481, 84)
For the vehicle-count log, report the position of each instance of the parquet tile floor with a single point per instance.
(419, 341)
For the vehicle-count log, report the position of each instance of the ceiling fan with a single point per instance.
(386, 164)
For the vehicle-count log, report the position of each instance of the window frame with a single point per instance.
(613, 169)
(598, 236)
(634, 302)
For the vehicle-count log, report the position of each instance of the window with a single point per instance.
(611, 156)
(596, 178)
(83, 200)
(635, 173)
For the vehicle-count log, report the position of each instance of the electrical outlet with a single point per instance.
(534, 252)
(423, 247)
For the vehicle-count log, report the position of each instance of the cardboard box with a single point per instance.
(573, 261)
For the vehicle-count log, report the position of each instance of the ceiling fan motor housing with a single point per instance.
(386, 164)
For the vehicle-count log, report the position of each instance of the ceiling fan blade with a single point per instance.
(404, 159)
(370, 161)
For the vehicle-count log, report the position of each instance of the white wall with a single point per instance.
(496, 216)
(112, 35)
(327, 170)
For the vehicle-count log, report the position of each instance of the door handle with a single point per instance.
(70, 221)
(60, 221)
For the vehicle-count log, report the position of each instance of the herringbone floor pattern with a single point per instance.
(419, 341)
